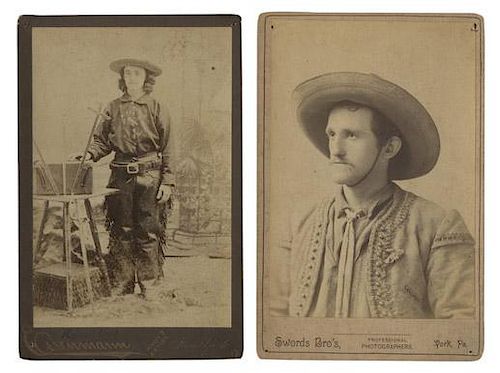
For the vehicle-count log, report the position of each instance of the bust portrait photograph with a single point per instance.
(370, 186)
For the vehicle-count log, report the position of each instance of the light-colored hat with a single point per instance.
(118, 65)
(316, 97)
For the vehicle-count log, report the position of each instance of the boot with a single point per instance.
(128, 288)
(158, 281)
(143, 292)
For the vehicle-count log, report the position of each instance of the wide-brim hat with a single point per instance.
(118, 65)
(316, 97)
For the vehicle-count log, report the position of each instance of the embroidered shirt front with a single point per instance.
(342, 290)
(135, 128)
(412, 260)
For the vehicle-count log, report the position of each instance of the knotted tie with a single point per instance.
(346, 264)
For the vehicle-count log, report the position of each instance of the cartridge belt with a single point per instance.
(138, 165)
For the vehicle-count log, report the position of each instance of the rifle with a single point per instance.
(97, 120)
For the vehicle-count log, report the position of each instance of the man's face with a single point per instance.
(134, 77)
(353, 146)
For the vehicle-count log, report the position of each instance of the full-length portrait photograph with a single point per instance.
(130, 187)
(132, 148)
(370, 183)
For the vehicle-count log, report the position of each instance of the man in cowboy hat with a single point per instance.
(138, 132)
(372, 249)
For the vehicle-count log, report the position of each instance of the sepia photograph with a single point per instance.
(370, 199)
(133, 149)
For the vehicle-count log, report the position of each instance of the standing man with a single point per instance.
(138, 132)
(372, 250)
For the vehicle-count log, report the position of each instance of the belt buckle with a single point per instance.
(133, 168)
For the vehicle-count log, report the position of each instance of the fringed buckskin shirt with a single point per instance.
(401, 257)
(136, 128)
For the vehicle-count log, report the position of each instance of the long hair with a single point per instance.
(149, 82)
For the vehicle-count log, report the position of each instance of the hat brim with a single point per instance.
(118, 65)
(421, 146)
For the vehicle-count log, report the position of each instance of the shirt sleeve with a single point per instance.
(450, 270)
(163, 124)
(100, 145)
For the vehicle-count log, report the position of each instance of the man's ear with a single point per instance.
(392, 147)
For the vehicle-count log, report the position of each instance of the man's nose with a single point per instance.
(337, 148)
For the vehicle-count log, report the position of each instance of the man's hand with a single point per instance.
(78, 157)
(164, 193)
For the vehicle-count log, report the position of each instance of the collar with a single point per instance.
(144, 99)
(371, 208)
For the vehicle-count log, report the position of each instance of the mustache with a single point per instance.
(339, 161)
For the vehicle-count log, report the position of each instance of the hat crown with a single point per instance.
(121, 63)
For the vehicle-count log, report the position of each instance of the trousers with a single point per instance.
(133, 217)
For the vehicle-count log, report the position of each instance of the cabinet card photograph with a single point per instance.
(370, 186)
(130, 187)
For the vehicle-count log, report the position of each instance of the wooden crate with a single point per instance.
(63, 174)
(49, 286)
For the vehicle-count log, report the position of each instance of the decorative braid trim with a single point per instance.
(301, 299)
(383, 253)
(454, 237)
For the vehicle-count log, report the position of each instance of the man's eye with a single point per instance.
(351, 135)
(330, 134)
